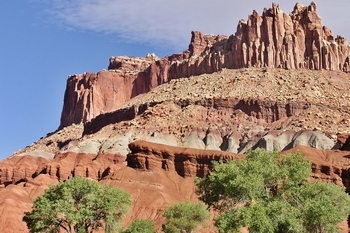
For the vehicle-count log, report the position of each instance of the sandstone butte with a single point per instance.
(152, 125)
(275, 39)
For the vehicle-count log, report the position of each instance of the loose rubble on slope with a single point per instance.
(243, 105)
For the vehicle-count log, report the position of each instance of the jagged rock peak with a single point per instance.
(275, 39)
(296, 40)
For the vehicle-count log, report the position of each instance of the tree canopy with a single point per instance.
(185, 217)
(141, 226)
(78, 205)
(268, 193)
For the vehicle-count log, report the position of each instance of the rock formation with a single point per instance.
(17, 169)
(187, 162)
(151, 191)
(344, 141)
(17, 199)
(334, 170)
(275, 39)
(155, 175)
(277, 83)
(283, 108)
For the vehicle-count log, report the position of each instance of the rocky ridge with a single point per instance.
(275, 39)
(221, 116)
(154, 144)
(217, 111)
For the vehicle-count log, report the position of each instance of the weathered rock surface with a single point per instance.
(327, 165)
(284, 140)
(343, 140)
(186, 162)
(156, 175)
(17, 199)
(295, 40)
(167, 176)
(230, 110)
(89, 95)
(275, 39)
(203, 103)
(16, 169)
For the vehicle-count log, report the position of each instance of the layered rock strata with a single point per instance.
(151, 191)
(156, 176)
(17, 169)
(264, 110)
(282, 108)
(299, 109)
(187, 162)
(327, 165)
(275, 39)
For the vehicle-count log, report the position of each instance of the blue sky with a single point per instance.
(44, 41)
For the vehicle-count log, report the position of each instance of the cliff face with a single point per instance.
(153, 187)
(186, 162)
(275, 39)
(297, 40)
(282, 108)
(203, 114)
(89, 95)
(156, 175)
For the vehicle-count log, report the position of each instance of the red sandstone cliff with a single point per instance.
(274, 39)
(281, 109)
(166, 176)
(156, 175)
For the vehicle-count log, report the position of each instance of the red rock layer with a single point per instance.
(152, 190)
(17, 199)
(275, 39)
(164, 175)
(265, 110)
(19, 168)
(16, 169)
(186, 162)
(327, 165)
(344, 141)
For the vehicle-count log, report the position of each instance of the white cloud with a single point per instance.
(166, 22)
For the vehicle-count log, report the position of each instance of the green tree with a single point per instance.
(269, 193)
(141, 226)
(78, 205)
(324, 205)
(185, 217)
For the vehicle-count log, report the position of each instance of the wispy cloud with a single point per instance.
(149, 21)
(166, 22)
